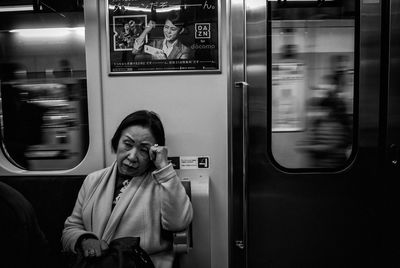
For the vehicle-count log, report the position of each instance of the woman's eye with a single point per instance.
(170, 28)
(128, 144)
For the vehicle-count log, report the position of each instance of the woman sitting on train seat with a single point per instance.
(139, 195)
(168, 48)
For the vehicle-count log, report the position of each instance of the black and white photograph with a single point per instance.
(163, 37)
(125, 31)
(199, 133)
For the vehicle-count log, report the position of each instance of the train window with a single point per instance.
(311, 59)
(43, 108)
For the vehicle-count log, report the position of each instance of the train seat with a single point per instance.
(182, 241)
(53, 198)
(194, 249)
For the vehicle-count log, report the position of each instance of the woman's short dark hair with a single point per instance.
(143, 118)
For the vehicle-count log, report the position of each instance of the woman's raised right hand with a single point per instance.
(149, 26)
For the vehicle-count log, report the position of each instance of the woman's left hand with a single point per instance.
(93, 247)
(159, 156)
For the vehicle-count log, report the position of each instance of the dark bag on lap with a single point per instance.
(123, 252)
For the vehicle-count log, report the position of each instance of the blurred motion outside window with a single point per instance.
(312, 53)
(43, 108)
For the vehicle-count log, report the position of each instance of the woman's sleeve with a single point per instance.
(176, 208)
(138, 45)
(73, 226)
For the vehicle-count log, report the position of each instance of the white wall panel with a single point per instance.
(193, 108)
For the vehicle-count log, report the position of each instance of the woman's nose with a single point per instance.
(132, 154)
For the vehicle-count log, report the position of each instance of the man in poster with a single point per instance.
(175, 36)
(168, 48)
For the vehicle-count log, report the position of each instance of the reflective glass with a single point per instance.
(312, 72)
(44, 124)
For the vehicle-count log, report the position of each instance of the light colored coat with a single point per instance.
(151, 203)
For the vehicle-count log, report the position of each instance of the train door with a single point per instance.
(391, 129)
(312, 172)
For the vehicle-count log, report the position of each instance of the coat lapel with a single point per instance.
(121, 207)
(176, 50)
(98, 209)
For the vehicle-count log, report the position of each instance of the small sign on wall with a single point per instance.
(190, 162)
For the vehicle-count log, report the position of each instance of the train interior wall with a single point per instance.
(193, 108)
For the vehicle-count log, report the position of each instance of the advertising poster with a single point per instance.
(288, 97)
(147, 36)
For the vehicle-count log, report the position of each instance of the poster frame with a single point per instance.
(180, 69)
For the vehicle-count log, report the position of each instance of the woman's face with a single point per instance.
(133, 151)
(171, 31)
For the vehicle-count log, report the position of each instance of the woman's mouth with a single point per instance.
(131, 165)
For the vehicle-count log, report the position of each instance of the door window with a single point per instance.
(312, 60)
